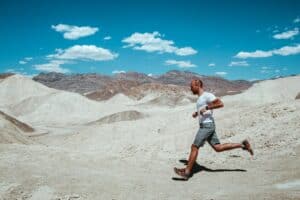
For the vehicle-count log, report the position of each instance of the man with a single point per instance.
(205, 105)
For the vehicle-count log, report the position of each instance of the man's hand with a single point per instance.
(203, 110)
(195, 114)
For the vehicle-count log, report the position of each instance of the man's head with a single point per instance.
(196, 86)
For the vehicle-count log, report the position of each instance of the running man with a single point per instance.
(205, 104)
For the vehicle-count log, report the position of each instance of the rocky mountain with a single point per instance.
(137, 85)
(135, 76)
(80, 83)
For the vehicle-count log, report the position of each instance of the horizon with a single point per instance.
(153, 76)
(151, 37)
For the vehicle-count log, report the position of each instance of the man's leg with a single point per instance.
(215, 143)
(192, 159)
(245, 145)
(226, 146)
(216, 147)
(200, 138)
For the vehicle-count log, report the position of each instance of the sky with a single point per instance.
(248, 40)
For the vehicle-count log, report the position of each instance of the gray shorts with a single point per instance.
(207, 131)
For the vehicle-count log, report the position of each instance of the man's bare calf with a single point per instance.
(226, 146)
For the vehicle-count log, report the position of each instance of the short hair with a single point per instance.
(198, 81)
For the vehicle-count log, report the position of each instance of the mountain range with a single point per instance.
(137, 85)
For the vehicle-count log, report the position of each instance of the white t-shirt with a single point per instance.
(204, 100)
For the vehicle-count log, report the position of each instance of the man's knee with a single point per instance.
(217, 147)
(194, 147)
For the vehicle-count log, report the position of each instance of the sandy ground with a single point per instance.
(132, 152)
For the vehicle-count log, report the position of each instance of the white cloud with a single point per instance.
(152, 42)
(211, 64)
(107, 38)
(84, 52)
(25, 60)
(16, 71)
(255, 54)
(264, 71)
(150, 74)
(52, 66)
(287, 50)
(118, 71)
(238, 63)
(264, 68)
(272, 28)
(185, 51)
(297, 20)
(28, 58)
(283, 51)
(221, 73)
(180, 63)
(76, 52)
(252, 79)
(268, 70)
(10, 70)
(74, 32)
(22, 62)
(287, 35)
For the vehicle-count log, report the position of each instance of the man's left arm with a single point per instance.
(216, 103)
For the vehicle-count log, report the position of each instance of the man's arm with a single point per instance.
(217, 103)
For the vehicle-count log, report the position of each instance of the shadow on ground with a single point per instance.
(198, 168)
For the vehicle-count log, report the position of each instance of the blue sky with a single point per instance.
(233, 39)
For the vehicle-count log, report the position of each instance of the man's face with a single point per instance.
(195, 87)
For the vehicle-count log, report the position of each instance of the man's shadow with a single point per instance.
(198, 168)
